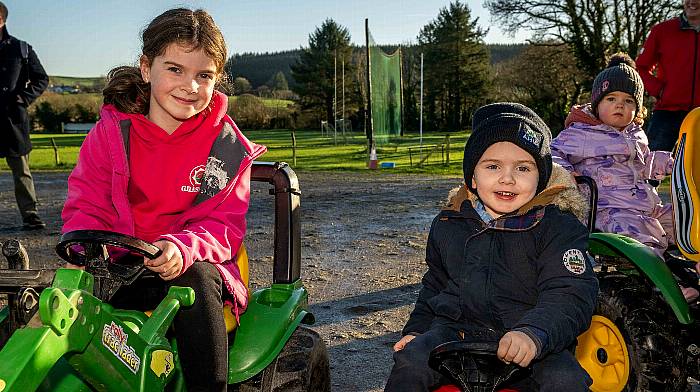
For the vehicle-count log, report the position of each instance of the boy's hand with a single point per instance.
(169, 264)
(403, 342)
(516, 347)
(690, 294)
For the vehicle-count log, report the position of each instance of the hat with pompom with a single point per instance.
(620, 75)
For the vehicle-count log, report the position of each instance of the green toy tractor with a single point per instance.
(644, 335)
(59, 333)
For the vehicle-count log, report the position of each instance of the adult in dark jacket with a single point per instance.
(506, 256)
(22, 80)
(669, 64)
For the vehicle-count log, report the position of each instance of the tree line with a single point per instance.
(569, 46)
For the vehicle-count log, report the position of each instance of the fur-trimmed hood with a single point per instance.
(561, 191)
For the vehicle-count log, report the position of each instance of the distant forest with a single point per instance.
(259, 68)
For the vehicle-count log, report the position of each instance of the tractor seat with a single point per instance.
(684, 187)
(242, 262)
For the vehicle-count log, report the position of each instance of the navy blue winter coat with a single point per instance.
(528, 271)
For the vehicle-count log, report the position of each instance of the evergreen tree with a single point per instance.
(329, 47)
(278, 82)
(456, 70)
(411, 88)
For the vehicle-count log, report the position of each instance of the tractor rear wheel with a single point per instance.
(634, 343)
(301, 366)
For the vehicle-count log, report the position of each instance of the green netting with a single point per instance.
(385, 87)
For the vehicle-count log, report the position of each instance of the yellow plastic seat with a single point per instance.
(685, 180)
(242, 262)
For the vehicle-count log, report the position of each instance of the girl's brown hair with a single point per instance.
(127, 90)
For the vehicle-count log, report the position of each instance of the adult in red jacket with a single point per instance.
(669, 64)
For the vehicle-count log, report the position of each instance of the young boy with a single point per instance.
(504, 257)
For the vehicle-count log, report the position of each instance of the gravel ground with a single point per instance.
(363, 244)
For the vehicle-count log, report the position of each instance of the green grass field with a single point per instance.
(314, 152)
(268, 102)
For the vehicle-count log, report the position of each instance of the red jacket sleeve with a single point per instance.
(647, 62)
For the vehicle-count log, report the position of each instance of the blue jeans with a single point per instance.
(663, 129)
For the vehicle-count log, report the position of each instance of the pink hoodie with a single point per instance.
(210, 231)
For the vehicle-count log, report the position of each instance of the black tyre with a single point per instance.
(17, 259)
(302, 366)
(5, 330)
(635, 342)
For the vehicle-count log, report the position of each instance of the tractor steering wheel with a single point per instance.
(90, 238)
(89, 248)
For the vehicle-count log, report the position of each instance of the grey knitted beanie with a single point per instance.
(619, 75)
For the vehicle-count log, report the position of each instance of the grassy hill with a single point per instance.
(74, 81)
(258, 68)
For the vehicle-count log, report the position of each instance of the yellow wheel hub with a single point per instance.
(602, 351)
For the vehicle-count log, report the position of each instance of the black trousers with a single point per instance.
(555, 373)
(663, 129)
(200, 329)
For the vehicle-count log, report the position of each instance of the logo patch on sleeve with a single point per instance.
(575, 261)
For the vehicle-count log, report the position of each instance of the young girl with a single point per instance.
(605, 140)
(166, 164)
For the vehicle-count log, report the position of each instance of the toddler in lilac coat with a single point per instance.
(604, 140)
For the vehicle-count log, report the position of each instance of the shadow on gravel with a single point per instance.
(360, 305)
(351, 357)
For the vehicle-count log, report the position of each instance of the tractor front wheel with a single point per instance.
(634, 343)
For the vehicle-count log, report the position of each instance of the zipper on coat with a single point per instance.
(489, 289)
(632, 147)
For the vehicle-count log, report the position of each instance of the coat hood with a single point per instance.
(584, 114)
(561, 191)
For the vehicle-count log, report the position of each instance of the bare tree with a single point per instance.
(545, 78)
(591, 28)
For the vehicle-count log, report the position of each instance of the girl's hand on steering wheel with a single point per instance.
(169, 264)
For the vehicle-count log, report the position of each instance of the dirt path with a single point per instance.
(363, 244)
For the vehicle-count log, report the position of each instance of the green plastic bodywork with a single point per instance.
(647, 263)
(66, 346)
(75, 333)
(272, 316)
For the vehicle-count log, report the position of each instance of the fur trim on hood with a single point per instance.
(561, 191)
